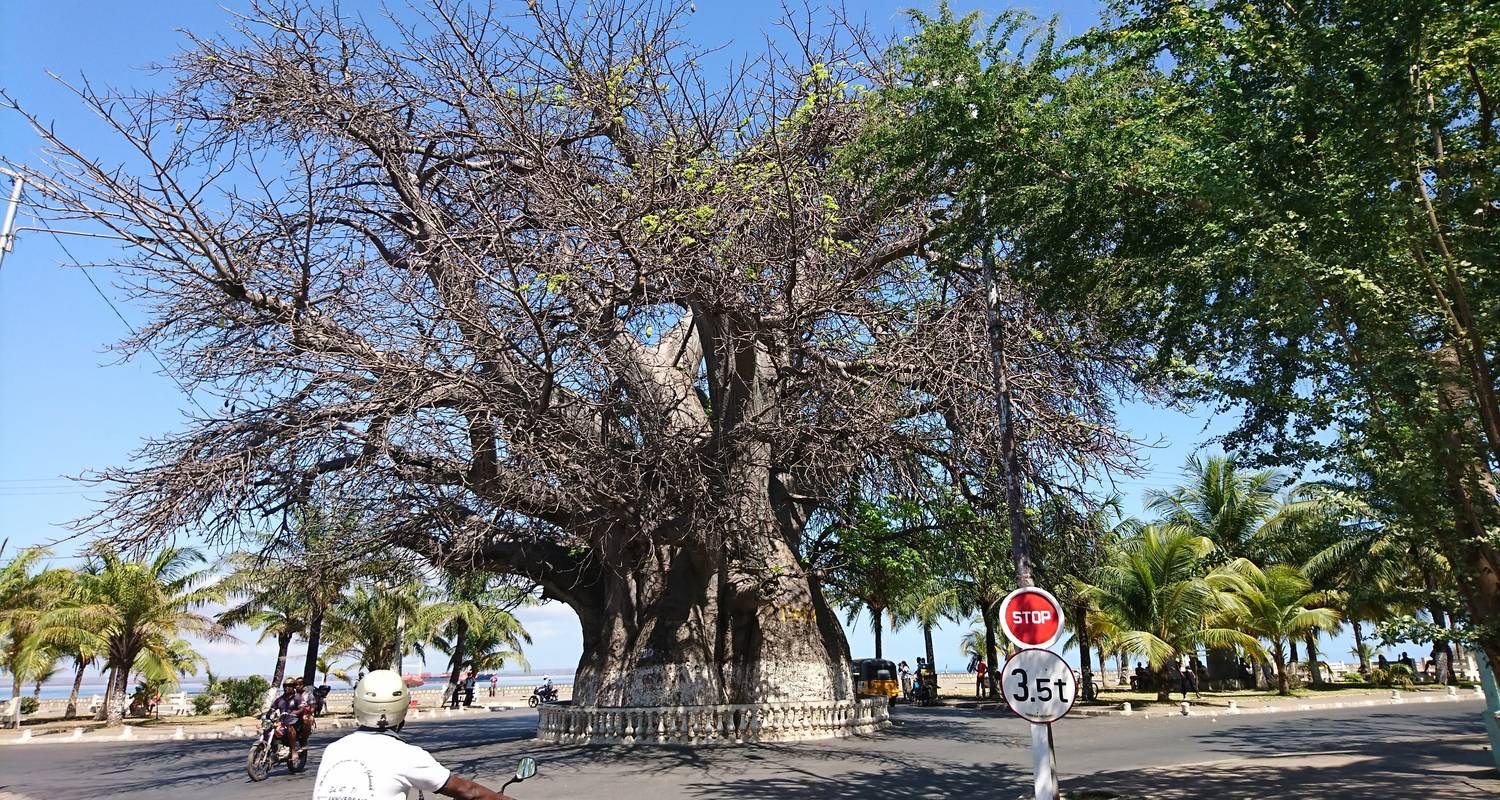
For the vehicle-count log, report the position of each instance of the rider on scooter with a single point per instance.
(290, 709)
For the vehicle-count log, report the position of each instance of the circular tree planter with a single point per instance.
(699, 726)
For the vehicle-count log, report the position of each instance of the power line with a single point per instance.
(128, 326)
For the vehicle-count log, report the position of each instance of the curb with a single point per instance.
(239, 732)
(1186, 709)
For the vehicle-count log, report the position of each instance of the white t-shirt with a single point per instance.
(366, 765)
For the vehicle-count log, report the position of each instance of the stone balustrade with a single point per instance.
(712, 725)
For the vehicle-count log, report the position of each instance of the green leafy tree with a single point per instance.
(379, 624)
(1162, 601)
(245, 696)
(35, 619)
(267, 602)
(141, 607)
(1289, 203)
(1278, 604)
(474, 604)
(879, 561)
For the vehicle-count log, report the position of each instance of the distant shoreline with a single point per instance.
(60, 691)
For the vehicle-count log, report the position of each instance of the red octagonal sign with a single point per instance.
(1032, 617)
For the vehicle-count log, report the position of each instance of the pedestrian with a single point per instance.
(905, 680)
(1190, 682)
(469, 688)
(979, 671)
(1381, 662)
(494, 682)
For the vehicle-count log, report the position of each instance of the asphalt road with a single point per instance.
(1386, 751)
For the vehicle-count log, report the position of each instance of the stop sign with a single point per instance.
(1031, 617)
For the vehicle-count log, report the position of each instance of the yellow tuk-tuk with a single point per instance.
(875, 677)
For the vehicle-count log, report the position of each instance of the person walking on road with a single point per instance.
(494, 682)
(980, 670)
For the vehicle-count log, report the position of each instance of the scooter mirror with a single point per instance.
(526, 768)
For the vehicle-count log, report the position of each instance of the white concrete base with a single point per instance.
(700, 726)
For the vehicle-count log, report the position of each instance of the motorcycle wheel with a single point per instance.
(258, 763)
(298, 763)
(532, 701)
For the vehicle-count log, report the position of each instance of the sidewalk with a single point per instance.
(1449, 767)
(1217, 705)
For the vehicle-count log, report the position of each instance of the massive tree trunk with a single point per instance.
(691, 627)
(1471, 488)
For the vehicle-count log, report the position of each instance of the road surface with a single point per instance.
(1384, 751)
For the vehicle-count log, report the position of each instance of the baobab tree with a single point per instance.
(536, 294)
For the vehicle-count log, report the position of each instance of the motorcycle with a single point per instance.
(542, 694)
(271, 749)
(524, 770)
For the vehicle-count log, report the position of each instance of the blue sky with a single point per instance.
(69, 405)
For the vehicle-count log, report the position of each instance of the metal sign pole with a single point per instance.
(1043, 765)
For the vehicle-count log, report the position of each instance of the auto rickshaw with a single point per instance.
(875, 677)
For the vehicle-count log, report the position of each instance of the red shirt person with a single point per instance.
(980, 670)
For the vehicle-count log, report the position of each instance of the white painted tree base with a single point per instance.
(701, 726)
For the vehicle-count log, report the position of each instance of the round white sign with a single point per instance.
(1038, 685)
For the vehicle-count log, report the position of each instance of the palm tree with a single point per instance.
(141, 607)
(35, 619)
(268, 603)
(42, 668)
(84, 653)
(330, 670)
(1161, 601)
(485, 650)
(1221, 502)
(1278, 604)
(369, 623)
(937, 601)
(472, 602)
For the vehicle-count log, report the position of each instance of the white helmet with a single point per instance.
(380, 700)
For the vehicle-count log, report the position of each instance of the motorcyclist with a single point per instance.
(309, 710)
(546, 689)
(373, 763)
(289, 710)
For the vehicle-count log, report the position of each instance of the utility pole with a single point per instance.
(7, 227)
(1043, 750)
(1010, 464)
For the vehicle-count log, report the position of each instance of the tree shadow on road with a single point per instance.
(895, 782)
(1451, 767)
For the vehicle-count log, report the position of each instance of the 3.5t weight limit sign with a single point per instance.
(1039, 685)
(1031, 617)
